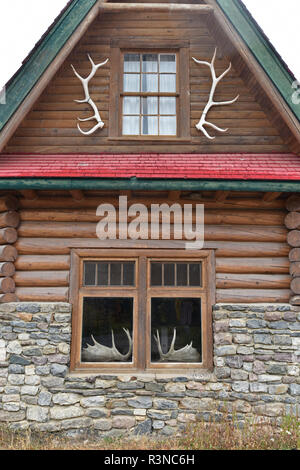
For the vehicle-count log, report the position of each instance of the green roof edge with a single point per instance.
(31, 71)
(147, 184)
(249, 31)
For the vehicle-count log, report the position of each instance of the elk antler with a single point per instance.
(215, 80)
(100, 353)
(185, 354)
(87, 99)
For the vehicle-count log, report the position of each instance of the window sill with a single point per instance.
(151, 139)
(150, 374)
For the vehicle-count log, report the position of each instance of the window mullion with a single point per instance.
(144, 338)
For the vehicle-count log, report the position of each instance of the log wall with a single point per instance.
(51, 126)
(248, 236)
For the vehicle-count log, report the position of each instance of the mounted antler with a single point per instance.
(87, 99)
(185, 354)
(215, 80)
(100, 353)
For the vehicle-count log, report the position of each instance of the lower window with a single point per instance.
(149, 312)
(107, 329)
(176, 330)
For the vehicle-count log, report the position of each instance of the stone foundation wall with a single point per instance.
(256, 375)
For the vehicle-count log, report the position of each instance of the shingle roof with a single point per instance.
(169, 166)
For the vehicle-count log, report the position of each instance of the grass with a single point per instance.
(225, 435)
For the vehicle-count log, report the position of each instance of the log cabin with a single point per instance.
(130, 129)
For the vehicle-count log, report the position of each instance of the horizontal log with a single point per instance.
(253, 295)
(65, 203)
(9, 219)
(252, 265)
(295, 285)
(268, 197)
(29, 194)
(8, 253)
(293, 203)
(61, 246)
(7, 269)
(293, 238)
(42, 294)
(252, 281)
(77, 194)
(80, 142)
(43, 263)
(155, 7)
(211, 216)
(8, 203)
(7, 285)
(8, 235)
(212, 232)
(42, 148)
(41, 278)
(6, 298)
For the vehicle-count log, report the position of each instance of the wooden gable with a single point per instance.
(253, 121)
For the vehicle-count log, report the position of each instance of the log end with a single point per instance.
(7, 298)
(295, 300)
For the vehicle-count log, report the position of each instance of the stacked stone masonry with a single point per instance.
(255, 376)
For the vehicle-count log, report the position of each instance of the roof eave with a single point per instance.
(149, 184)
(261, 48)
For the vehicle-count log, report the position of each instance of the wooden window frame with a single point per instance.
(142, 293)
(118, 48)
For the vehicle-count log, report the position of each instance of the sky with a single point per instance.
(23, 22)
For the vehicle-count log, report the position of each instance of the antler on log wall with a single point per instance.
(215, 80)
(292, 222)
(9, 221)
(88, 99)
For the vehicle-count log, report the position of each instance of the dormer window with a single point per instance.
(149, 97)
(149, 91)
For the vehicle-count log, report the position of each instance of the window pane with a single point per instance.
(167, 105)
(167, 63)
(102, 274)
(178, 320)
(156, 274)
(149, 125)
(131, 105)
(89, 274)
(149, 82)
(131, 82)
(131, 62)
(128, 274)
(150, 63)
(131, 125)
(181, 274)
(167, 125)
(167, 83)
(169, 274)
(195, 274)
(105, 319)
(150, 105)
(115, 274)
